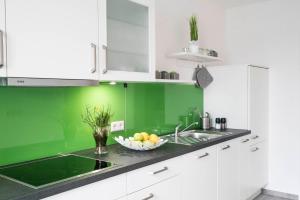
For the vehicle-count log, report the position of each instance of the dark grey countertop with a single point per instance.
(126, 160)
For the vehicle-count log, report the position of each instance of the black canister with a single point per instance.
(223, 123)
(218, 124)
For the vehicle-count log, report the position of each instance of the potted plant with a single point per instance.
(98, 118)
(193, 46)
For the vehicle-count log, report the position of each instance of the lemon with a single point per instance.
(145, 136)
(138, 137)
(154, 138)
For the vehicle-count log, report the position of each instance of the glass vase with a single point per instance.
(101, 136)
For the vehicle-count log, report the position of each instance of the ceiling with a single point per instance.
(233, 3)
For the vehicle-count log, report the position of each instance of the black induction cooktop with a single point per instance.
(52, 170)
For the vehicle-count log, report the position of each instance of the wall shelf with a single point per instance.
(189, 82)
(194, 57)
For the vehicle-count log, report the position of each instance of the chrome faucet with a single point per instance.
(177, 132)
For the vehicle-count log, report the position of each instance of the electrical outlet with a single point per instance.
(117, 126)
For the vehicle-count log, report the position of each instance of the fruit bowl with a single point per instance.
(130, 143)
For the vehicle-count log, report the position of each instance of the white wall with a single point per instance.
(172, 31)
(268, 33)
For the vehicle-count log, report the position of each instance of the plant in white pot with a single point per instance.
(193, 46)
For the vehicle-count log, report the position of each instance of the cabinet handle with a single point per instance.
(255, 137)
(227, 147)
(1, 49)
(245, 141)
(203, 156)
(159, 171)
(104, 47)
(148, 197)
(94, 53)
(254, 150)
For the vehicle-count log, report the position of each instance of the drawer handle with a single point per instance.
(104, 47)
(227, 147)
(94, 53)
(255, 137)
(1, 49)
(256, 149)
(160, 171)
(245, 141)
(149, 197)
(203, 156)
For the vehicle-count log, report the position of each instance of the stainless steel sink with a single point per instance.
(196, 136)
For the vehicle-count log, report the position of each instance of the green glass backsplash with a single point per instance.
(41, 122)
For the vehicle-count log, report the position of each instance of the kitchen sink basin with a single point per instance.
(196, 136)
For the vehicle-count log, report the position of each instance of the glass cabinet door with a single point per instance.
(127, 36)
(128, 41)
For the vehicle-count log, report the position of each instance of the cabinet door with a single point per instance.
(52, 38)
(258, 171)
(127, 37)
(244, 168)
(108, 189)
(200, 177)
(258, 98)
(2, 41)
(228, 171)
(168, 189)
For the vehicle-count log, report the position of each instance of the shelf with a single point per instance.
(190, 82)
(194, 57)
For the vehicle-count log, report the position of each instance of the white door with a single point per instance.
(168, 189)
(258, 98)
(258, 171)
(52, 38)
(2, 40)
(127, 40)
(244, 168)
(200, 176)
(228, 186)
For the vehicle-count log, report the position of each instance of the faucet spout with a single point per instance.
(177, 132)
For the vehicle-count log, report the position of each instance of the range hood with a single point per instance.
(45, 82)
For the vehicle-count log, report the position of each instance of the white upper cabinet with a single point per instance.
(127, 40)
(52, 38)
(2, 40)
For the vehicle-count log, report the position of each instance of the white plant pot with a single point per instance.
(193, 47)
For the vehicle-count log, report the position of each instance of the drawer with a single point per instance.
(201, 154)
(108, 189)
(147, 176)
(167, 189)
(256, 138)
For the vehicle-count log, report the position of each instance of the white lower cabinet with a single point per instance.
(233, 170)
(200, 175)
(244, 168)
(228, 181)
(253, 167)
(258, 169)
(108, 189)
(150, 175)
(165, 190)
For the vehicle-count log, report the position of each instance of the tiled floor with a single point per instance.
(267, 197)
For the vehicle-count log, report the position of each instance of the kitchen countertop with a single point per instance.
(126, 160)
